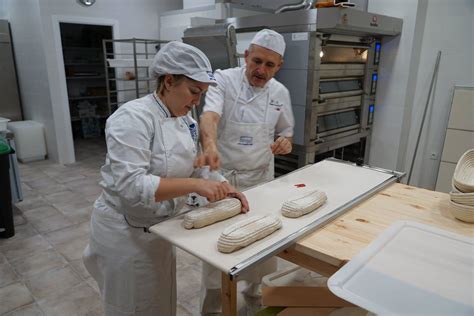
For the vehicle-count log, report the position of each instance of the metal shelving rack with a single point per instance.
(130, 58)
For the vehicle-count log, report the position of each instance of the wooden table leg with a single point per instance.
(229, 295)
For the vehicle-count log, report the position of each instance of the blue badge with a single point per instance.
(194, 133)
(246, 140)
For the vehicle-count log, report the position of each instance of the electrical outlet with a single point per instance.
(434, 156)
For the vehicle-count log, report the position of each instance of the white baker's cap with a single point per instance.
(176, 58)
(270, 40)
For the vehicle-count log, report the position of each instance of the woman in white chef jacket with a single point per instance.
(151, 146)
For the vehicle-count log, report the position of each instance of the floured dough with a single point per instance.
(211, 213)
(247, 231)
(304, 204)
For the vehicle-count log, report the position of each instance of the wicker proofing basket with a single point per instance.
(462, 212)
(460, 197)
(463, 177)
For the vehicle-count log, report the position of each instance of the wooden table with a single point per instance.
(331, 246)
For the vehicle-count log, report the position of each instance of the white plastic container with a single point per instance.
(410, 269)
(29, 140)
(3, 123)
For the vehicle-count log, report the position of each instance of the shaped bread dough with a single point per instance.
(247, 231)
(303, 205)
(211, 213)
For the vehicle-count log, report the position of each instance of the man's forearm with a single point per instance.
(208, 128)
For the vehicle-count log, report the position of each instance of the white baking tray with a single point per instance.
(411, 269)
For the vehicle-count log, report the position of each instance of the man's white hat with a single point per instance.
(176, 58)
(270, 40)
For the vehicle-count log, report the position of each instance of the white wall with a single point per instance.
(449, 27)
(393, 83)
(35, 21)
(27, 36)
(3, 11)
(405, 74)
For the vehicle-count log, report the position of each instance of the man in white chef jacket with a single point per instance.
(247, 119)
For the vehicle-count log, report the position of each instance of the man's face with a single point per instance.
(262, 65)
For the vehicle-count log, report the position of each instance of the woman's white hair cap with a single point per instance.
(270, 40)
(176, 58)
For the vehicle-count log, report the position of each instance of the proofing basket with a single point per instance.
(460, 197)
(463, 178)
(462, 212)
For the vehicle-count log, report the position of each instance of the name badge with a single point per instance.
(276, 104)
(246, 140)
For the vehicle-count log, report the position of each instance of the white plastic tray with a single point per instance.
(411, 269)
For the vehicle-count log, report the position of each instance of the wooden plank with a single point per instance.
(301, 296)
(305, 261)
(306, 311)
(340, 240)
(229, 295)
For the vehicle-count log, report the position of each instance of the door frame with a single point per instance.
(62, 115)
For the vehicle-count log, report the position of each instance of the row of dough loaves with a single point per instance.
(249, 230)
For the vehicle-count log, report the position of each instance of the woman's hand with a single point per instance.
(212, 190)
(238, 195)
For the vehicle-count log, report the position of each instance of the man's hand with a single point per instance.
(281, 146)
(209, 158)
(238, 195)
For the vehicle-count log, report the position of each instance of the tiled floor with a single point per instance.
(41, 270)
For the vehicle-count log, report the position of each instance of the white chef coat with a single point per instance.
(135, 270)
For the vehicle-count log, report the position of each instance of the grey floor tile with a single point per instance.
(18, 220)
(92, 198)
(28, 310)
(52, 223)
(81, 215)
(181, 311)
(79, 300)
(29, 193)
(21, 232)
(185, 257)
(41, 182)
(40, 263)
(52, 282)
(188, 282)
(68, 235)
(7, 274)
(31, 203)
(92, 283)
(60, 197)
(14, 296)
(52, 188)
(31, 174)
(24, 247)
(68, 208)
(190, 305)
(78, 266)
(54, 170)
(73, 250)
(81, 184)
(69, 176)
(40, 213)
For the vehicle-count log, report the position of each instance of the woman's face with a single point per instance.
(183, 94)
